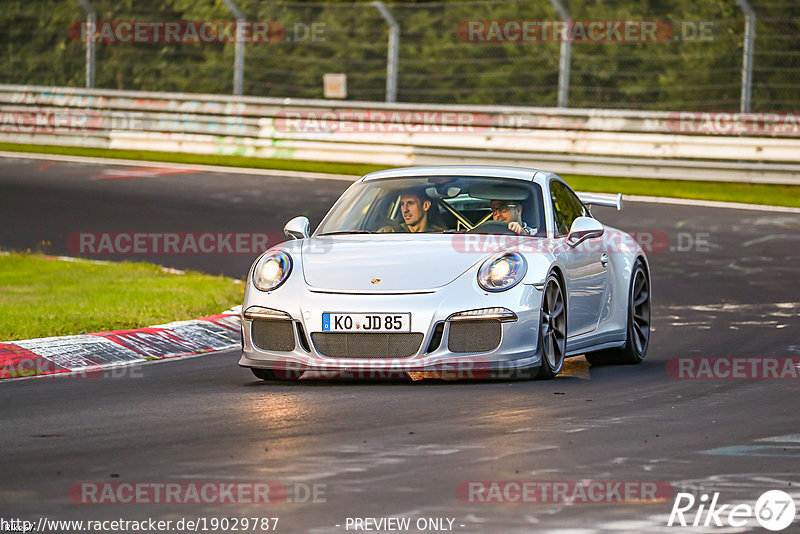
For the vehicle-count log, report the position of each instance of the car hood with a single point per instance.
(386, 263)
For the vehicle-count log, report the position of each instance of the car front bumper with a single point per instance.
(433, 314)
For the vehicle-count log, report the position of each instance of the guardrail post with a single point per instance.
(238, 61)
(747, 54)
(565, 55)
(89, 29)
(393, 54)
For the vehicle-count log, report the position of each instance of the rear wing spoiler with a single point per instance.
(600, 199)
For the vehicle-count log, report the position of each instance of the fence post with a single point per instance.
(393, 54)
(564, 57)
(88, 34)
(747, 54)
(238, 60)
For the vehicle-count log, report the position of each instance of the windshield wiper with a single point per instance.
(347, 232)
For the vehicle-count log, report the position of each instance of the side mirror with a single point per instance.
(584, 228)
(297, 228)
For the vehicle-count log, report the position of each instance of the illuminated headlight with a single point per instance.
(272, 270)
(503, 315)
(502, 272)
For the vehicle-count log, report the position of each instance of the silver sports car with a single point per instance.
(450, 271)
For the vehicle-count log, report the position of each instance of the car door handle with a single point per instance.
(604, 259)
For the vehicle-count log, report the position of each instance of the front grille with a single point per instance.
(273, 335)
(474, 336)
(347, 345)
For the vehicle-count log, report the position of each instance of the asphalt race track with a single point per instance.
(725, 284)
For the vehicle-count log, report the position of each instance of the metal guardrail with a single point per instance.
(582, 141)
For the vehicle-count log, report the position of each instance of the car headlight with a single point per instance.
(272, 270)
(502, 272)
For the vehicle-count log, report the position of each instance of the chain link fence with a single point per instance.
(628, 54)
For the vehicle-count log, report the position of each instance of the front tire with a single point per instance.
(264, 374)
(638, 335)
(552, 329)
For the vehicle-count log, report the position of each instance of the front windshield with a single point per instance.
(437, 204)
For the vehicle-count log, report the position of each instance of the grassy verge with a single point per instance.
(41, 297)
(774, 195)
(354, 169)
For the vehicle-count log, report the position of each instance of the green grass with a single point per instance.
(41, 297)
(774, 195)
(199, 159)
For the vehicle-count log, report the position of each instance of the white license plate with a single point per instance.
(366, 322)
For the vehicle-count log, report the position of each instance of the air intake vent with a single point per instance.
(273, 335)
(436, 338)
(301, 335)
(345, 345)
(474, 336)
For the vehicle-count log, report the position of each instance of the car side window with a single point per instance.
(566, 207)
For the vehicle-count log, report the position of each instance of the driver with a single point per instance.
(414, 206)
(511, 213)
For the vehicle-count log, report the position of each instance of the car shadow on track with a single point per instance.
(575, 370)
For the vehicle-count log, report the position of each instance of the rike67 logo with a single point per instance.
(774, 510)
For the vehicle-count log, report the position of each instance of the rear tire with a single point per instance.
(638, 335)
(552, 329)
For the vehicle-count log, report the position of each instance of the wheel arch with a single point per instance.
(641, 257)
(628, 287)
(559, 272)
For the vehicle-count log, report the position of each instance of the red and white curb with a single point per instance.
(93, 353)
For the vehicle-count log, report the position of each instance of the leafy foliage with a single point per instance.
(698, 66)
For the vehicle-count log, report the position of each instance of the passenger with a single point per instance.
(414, 206)
(511, 213)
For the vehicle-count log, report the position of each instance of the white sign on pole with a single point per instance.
(335, 85)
